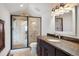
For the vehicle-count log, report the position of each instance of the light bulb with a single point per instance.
(21, 5)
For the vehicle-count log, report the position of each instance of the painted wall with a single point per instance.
(5, 15)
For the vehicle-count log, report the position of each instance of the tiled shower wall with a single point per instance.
(34, 29)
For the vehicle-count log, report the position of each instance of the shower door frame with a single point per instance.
(27, 29)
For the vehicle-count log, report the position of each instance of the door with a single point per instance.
(19, 32)
(34, 28)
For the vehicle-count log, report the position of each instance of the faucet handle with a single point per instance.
(59, 36)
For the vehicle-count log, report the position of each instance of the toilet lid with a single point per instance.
(33, 44)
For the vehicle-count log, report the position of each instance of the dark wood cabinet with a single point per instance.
(39, 48)
(60, 53)
(51, 51)
(2, 35)
(42, 48)
(46, 49)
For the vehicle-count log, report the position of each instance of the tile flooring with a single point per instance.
(21, 52)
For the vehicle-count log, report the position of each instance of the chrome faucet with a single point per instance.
(59, 36)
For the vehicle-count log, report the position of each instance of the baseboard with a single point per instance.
(8, 53)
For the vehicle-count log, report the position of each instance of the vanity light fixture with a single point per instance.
(63, 8)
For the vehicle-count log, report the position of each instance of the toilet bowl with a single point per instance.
(33, 46)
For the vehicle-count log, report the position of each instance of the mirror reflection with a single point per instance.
(63, 22)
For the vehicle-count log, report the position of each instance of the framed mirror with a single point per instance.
(65, 24)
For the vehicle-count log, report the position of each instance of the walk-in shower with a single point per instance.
(24, 30)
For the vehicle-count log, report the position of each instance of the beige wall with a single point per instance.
(5, 15)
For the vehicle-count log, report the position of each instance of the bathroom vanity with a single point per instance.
(51, 46)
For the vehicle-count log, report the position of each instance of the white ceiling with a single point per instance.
(14, 8)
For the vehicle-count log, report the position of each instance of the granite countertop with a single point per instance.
(67, 46)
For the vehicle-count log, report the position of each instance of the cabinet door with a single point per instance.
(51, 51)
(60, 53)
(39, 50)
(44, 51)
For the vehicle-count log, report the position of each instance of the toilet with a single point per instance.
(33, 46)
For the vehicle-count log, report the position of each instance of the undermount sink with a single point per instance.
(53, 40)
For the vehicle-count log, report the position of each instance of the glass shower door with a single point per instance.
(34, 28)
(19, 32)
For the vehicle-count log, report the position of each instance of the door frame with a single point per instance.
(27, 29)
